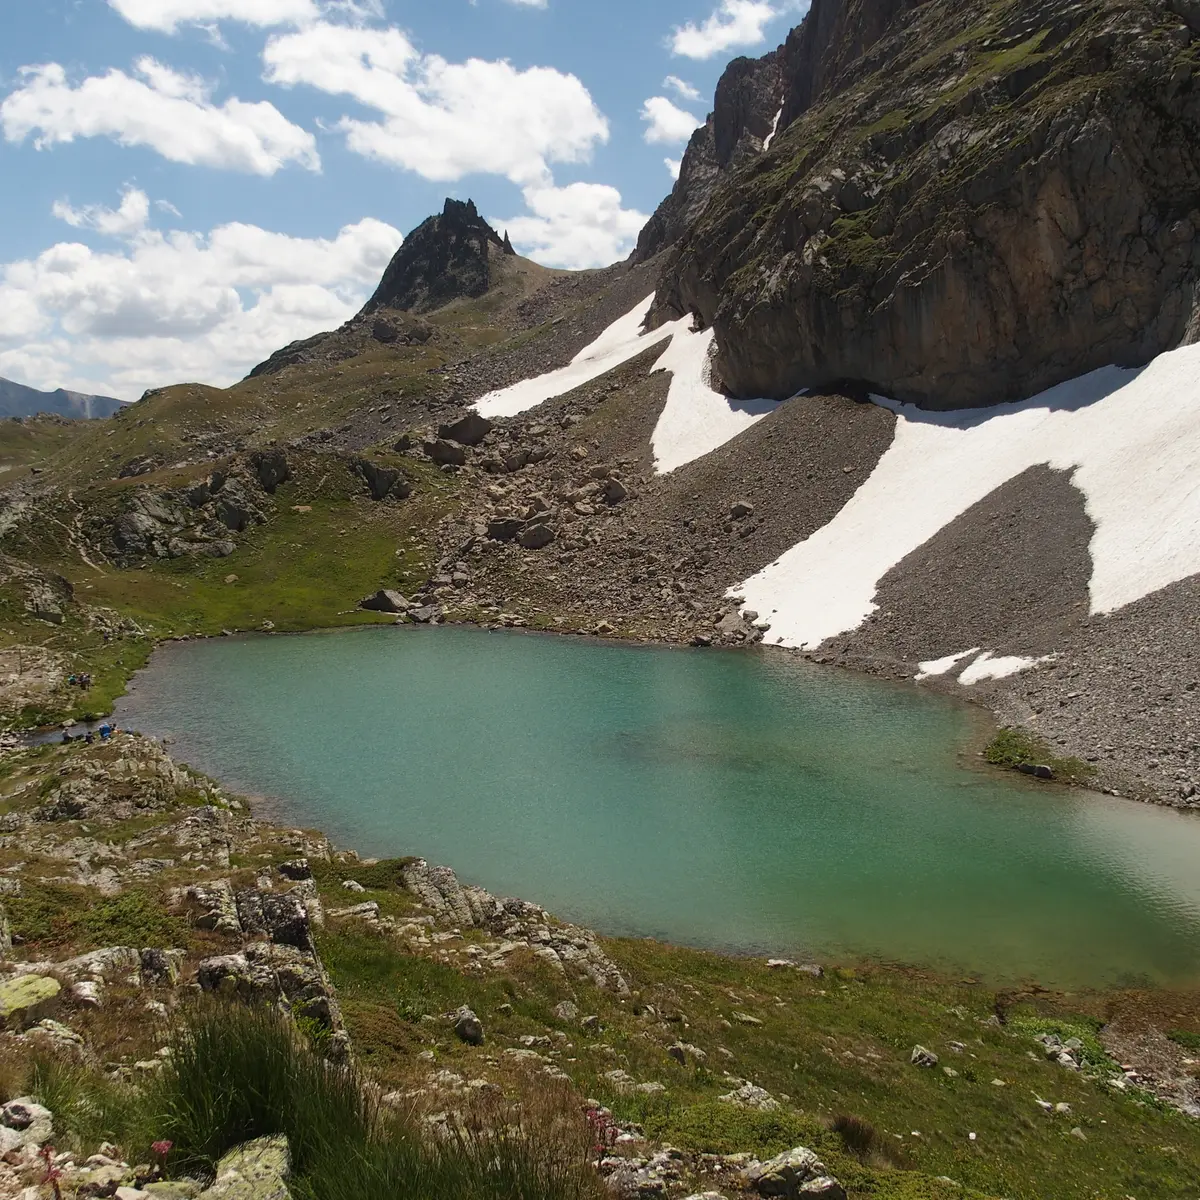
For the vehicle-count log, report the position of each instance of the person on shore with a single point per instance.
(106, 731)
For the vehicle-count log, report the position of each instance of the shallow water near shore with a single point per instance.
(735, 801)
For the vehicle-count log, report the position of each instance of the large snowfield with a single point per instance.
(696, 419)
(1129, 438)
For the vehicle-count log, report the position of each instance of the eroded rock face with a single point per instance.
(748, 98)
(963, 206)
(446, 258)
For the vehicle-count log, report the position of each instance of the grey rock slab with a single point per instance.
(257, 1170)
(26, 999)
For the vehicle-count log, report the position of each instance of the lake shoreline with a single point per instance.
(283, 803)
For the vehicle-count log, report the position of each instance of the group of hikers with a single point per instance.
(80, 681)
(105, 732)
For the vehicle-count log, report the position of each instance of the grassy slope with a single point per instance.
(835, 1045)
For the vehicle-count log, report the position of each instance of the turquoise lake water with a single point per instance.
(738, 801)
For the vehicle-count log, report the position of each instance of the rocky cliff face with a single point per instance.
(446, 258)
(965, 203)
(745, 113)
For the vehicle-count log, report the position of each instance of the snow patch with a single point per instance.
(1131, 439)
(943, 666)
(774, 129)
(987, 667)
(696, 419)
(620, 342)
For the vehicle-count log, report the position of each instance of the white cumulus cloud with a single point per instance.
(440, 119)
(674, 166)
(666, 123)
(171, 112)
(735, 23)
(130, 217)
(179, 305)
(166, 16)
(578, 226)
(683, 90)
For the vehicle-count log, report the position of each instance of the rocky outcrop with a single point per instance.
(968, 205)
(566, 948)
(197, 521)
(743, 118)
(446, 258)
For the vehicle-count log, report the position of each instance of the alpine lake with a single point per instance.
(737, 801)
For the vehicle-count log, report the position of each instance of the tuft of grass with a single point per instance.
(239, 1073)
(88, 1107)
(1189, 1041)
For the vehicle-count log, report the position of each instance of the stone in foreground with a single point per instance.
(257, 1170)
(27, 999)
(797, 1172)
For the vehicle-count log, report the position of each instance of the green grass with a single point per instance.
(54, 916)
(1015, 747)
(838, 1047)
(241, 1073)
(1189, 1041)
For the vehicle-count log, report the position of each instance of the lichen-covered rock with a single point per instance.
(256, 1171)
(788, 1173)
(26, 999)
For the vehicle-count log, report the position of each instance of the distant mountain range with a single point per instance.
(17, 400)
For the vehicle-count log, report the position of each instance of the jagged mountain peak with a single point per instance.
(447, 257)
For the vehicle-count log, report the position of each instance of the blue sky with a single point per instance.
(192, 183)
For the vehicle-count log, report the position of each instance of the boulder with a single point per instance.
(25, 1117)
(615, 491)
(536, 536)
(385, 601)
(271, 469)
(468, 1026)
(162, 967)
(750, 1095)
(282, 918)
(741, 509)
(923, 1058)
(504, 529)
(466, 431)
(26, 999)
(567, 1010)
(382, 482)
(427, 614)
(1038, 771)
(445, 453)
(257, 1170)
(787, 1174)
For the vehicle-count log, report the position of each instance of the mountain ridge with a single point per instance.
(18, 400)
